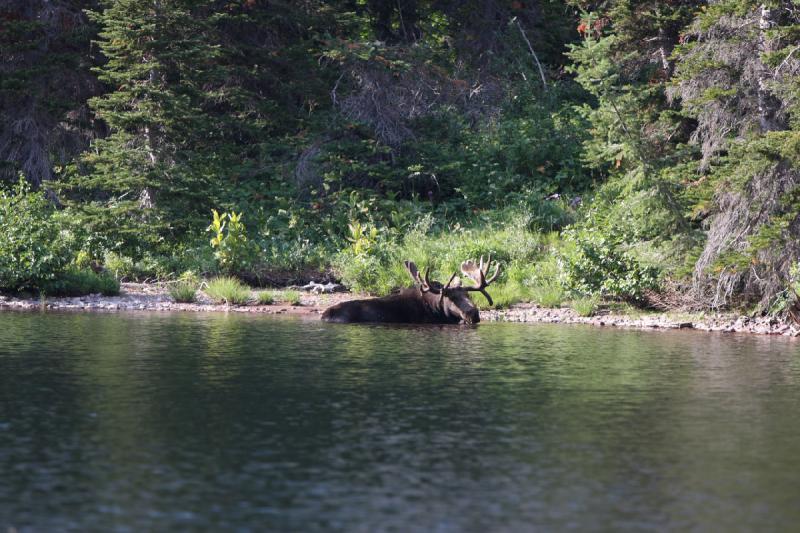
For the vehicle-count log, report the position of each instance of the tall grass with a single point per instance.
(183, 291)
(510, 241)
(227, 290)
(548, 294)
(265, 298)
(290, 297)
(586, 306)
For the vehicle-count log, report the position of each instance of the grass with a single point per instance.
(586, 306)
(183, 292)
(509, 241)
(227, 290)
(548, 294)
(290, 297)
(265, 297)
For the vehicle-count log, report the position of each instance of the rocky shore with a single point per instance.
(721, 322)
(154, 297)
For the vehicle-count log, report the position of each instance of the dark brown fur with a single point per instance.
(429, 302)
(409, 306)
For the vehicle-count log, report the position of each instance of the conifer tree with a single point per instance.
(738, 78)
(180, 120)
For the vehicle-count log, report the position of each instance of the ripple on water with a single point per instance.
(253, 422)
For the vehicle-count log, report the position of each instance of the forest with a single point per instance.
(644, 152)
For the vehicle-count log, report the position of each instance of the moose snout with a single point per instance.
(472, 317)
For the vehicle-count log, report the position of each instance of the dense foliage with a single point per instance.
(636, 150)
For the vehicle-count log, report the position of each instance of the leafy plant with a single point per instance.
(227, 290)
(362, 237)
(233, 251)
(34, 250)
(595, 264)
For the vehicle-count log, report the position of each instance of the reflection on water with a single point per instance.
(194, 421)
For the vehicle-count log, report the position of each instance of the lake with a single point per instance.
(130, 422)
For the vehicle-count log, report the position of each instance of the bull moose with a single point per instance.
(428, 302)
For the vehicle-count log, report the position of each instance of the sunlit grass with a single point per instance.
(548, 294)
(586, 306)
(265, 298)
(183, 291)
(290, 297)
(227, 290)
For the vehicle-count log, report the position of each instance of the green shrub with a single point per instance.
(265, 298)
(364, 273)
(183, 291)
(227, 290)
(79, 282)
(122, 266)
(596, 264)
(147, 266)
(233, 251)
(33, 248)
(585, 306)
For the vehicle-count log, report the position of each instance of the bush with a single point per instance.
(33, 248)
(227, 290)
(233, 251)
(122, 266)
(183, 291)
(595, 264)
(79, 282)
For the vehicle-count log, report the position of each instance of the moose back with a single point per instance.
(428, 302)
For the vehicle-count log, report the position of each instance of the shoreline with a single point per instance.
(137, 297)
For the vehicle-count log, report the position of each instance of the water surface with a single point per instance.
(134, 422)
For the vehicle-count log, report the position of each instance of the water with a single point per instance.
(130, 422)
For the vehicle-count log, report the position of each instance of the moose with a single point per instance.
(428, 302)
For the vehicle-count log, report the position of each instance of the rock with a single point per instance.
(685, 325)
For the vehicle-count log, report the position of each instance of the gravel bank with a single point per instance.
(154, 297)
(726, 323)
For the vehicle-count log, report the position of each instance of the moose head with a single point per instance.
(452, 300)
(427, 302)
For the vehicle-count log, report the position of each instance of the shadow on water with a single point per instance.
(228, 421)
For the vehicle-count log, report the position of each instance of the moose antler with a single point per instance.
(450, 282)
(425, 283)
(477, 273)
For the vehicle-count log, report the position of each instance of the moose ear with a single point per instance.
(412, 270)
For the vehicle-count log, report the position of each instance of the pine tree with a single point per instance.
(44, 83)
(637, 135)
(182, 120)
(738, 77)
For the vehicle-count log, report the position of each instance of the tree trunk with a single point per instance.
(768, 104)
